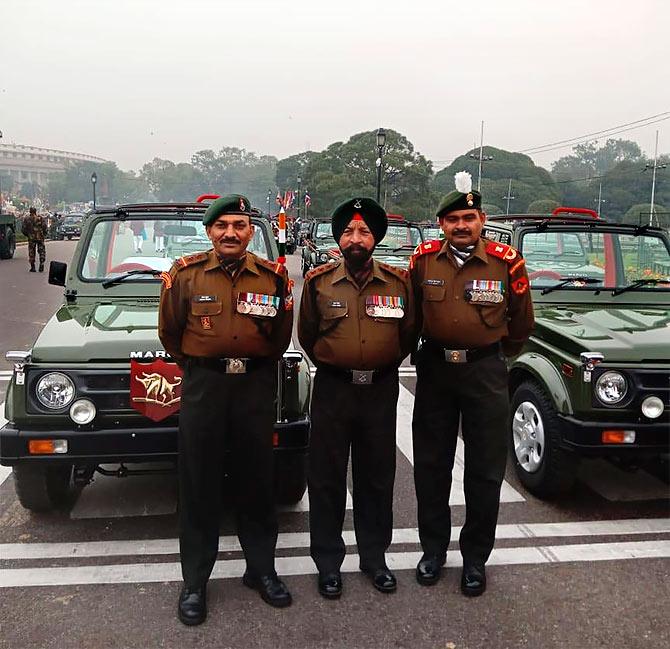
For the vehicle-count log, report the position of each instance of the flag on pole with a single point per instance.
(281, 236)
(308, 200)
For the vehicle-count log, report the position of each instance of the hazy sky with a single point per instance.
(129, 80)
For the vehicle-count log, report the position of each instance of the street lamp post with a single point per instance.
(94, 180)
(600, 200)
(381, 142)
(509, 196)
(269, 198)
(482, 158)
(653, 179)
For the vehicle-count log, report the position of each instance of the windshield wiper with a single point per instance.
(637, 284)
(121, 278)
(567, 280)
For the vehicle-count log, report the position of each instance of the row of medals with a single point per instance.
(376, 311)
(266, 310)
(486, 296)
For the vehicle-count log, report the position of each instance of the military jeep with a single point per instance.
(7, 236)
(593, 380)
(98, 390)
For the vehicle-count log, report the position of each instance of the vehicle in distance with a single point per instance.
(70, 226)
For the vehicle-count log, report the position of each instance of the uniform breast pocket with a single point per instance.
(434, 293)
(331, 313)
(207, 313)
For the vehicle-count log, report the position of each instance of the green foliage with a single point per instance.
(170, 182)
(529, 182)
(543, 206)
(639, 214)
(489, 208)
(348, 168)
(236, 171)
(113, 185)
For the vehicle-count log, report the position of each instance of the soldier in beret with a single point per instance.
(226, 318)
(473, 307)
(356, 324)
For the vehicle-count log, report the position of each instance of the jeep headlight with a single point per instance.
(55, 391)
(323, 256)
(611, 388)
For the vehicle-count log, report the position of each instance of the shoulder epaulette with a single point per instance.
(189, 260)
(394, 270)
(508, 254)
(319, 270)
(425, 248)
(274, 266)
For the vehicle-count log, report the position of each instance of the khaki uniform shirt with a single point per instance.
(206, 312)
(349, 327)
(447, 312)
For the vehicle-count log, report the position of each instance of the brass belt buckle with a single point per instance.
(361, 377)
(456, 355)
(236, 365)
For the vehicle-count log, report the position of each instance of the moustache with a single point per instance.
(233, 240)
(457, 232)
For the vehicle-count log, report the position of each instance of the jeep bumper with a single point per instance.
(109, 446)
(585, 437)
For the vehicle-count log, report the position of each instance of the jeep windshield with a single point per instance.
(596, 259)
(323, 233)
(401, 236)
(114, 248)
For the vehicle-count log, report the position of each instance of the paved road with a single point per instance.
(591, 571)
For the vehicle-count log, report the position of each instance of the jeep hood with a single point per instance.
(99, 331)
(627, 333)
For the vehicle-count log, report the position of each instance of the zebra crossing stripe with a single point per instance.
(303, 565)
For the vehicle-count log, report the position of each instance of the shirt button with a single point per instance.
(362, 342)
(455, 319)
(234, 337)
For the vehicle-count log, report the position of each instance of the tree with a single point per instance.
(170, 182)
(529, 182)
(639, 214)
(491, 209)
(543, 206)
(346, 169)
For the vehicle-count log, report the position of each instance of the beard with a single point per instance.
(356, 256)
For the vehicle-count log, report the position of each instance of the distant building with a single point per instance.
(33, 164)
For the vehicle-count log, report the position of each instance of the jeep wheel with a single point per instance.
(543, 467)
(7, 244)
(290, 478)
(42, 488)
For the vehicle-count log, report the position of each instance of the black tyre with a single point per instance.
(290, 478)
(69, 238)
(543, 467)
(42, 488)
(8, 244)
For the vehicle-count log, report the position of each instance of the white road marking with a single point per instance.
(404, 442)
(293, 540)
(303, 565)
(5, 471)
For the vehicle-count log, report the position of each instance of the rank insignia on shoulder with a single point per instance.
(502, 251)
(394, 270)
(189, 260)
(424, 248)
(318, 270)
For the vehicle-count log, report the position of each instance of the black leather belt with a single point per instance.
(459, 355)
(229, 365)
(357, 377)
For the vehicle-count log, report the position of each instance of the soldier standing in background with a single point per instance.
(226, 317)
(473, 307)
(35, 228)
(356, 324)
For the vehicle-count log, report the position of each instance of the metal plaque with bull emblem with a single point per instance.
(155, 388)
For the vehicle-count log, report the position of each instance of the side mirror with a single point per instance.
(57, 273)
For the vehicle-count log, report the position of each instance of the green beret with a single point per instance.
(371, 212)
(229, 204)
(456, 200)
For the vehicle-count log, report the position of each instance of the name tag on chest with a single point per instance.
(258, 304)
(484, 291)
(385, 306)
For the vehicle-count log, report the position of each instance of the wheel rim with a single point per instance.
(528, 434)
